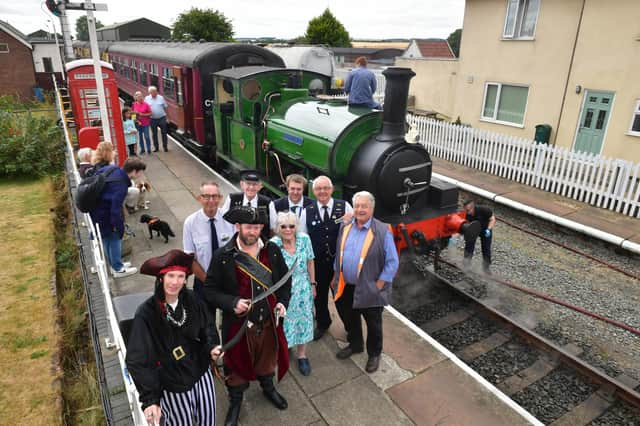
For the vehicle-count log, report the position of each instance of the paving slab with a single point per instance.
(445, 395)
(358, 402)
(409, 350)
(326, 370)
(257, 410)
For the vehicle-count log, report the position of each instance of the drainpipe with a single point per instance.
(566, 83)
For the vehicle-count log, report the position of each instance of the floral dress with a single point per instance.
(298, 324)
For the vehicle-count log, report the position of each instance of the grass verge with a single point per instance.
(80, 389)
(29, 377)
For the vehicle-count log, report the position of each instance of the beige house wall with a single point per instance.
(542, 64)
(434, 85)
(607, 58)
(601, 52)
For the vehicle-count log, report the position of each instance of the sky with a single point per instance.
(274, 18)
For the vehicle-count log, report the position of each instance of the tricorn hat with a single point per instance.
(243, 214)
(250, 175)
(173, 260)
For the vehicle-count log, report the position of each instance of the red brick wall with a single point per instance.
(17, 73)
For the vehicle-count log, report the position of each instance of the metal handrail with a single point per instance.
(101, 269)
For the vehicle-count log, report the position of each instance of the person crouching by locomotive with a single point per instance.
(487, 220)
(365, 265)
(241, 270)
(250, 185)
(294, 202)
(172, 342)
(323, 223)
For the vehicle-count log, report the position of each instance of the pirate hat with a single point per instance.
(243, 214)
(173, 260)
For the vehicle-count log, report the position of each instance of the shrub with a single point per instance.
(29, 146)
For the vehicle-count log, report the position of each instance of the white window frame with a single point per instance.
(636, 112)
(5, 47)
(517, 25)
(495, 107)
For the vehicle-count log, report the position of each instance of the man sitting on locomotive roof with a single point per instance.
(361, 85)
(487, 220)
(158, 117)
(250, 185)
(295, 202)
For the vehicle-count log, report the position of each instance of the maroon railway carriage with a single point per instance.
(182, 73)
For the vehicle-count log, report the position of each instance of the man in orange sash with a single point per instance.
(366, 262)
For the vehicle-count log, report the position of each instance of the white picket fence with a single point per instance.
(608, 183)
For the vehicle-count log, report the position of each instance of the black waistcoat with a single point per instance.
(324, 236)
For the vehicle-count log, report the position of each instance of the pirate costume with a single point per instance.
(169, 350)
(234, 274)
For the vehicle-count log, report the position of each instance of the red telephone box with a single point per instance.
(86, 107)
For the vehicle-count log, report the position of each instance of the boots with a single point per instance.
(269, 391)
(235, 401)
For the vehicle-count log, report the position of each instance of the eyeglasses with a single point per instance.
(323, 188)
(210, 196)
(287, 226)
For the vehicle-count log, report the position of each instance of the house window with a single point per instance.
(521, 19)
(634, 129)
(47, 64)
(168, 85)
(4, 47)
(504, 103)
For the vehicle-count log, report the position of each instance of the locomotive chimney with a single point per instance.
(395, 103)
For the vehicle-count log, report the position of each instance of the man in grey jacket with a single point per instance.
(366, 262)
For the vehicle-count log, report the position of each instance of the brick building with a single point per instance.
(17, 73)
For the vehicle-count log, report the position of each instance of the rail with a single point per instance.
(622, 390)
(116, 342)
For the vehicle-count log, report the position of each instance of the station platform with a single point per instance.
(417, 382)
(624, 227)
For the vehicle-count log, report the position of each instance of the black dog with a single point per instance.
(160, 226)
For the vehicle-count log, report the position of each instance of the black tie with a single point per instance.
(214, 236)
(293, 208)
(325, 216)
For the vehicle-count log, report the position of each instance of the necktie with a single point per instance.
(325, 216)
(294, 208)
(214, 236)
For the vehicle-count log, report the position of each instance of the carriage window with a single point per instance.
(168, 85)
(251, 90)
(153, 71)
(134, 71)
(143, 74)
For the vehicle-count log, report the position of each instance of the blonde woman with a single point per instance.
(298, 326)
(103, 155)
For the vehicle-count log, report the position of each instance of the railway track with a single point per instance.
(547, 379)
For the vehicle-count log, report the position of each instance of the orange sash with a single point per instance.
(363, 254)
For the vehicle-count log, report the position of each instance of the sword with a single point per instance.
(235, 339)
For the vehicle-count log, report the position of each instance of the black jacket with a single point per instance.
(150, 358)
(221, 288)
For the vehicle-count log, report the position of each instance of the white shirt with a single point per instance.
(227, 203)
(300, 212)
(196, 235)
(158, 105)
(347, 207)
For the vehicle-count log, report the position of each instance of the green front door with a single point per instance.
(593, 121)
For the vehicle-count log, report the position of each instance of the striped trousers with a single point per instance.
(197, 406)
